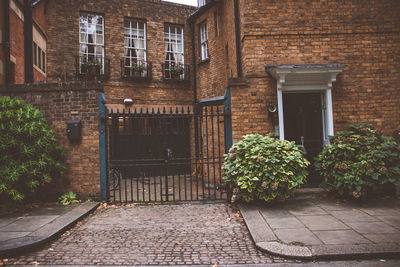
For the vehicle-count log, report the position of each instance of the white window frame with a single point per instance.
(174, 47)
(135, 43)
(91, 39)
(202, 3)
(203, 41)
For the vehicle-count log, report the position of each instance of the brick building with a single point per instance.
(301, 69)
(118, 35)
(23, 25)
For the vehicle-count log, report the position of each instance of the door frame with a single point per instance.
(307, 78)
(326, 110)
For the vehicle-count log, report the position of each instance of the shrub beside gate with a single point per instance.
(265, 168)
(29, 154)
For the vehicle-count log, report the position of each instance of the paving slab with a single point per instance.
(31, 229)
(393, 220)
(29, 223)
(383, 238)
(373, 228)
(322, 222)
(301, 236)
(324, 228)
(307, 210)
(344, 237)
(11, 235)
(285, 222)
(353, 215)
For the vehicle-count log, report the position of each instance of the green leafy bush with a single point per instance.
(68, 198)
(359, 162)
(29, 154)
(263, 167)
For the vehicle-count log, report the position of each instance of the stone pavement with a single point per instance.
(154, 235)
(325, 228)
(22, 231)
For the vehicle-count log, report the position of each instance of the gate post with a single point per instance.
(103, 147)
(227, 120)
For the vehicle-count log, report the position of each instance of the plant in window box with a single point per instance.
(138, 67)
(91, 66)
(176, 70)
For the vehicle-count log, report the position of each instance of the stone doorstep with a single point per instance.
(48, 231)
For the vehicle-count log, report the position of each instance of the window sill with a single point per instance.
(204, 61)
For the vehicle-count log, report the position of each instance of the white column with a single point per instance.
(329, 111)
(280, 115)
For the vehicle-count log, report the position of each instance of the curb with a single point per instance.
(329, 252)
(47, 232)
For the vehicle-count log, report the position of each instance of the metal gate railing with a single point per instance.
(166, 155)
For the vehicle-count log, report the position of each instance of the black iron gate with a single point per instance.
(167, 154)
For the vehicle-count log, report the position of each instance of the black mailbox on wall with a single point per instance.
(74, 129)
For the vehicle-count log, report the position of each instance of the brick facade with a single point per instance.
(63, 47)
(60, 103)
(16, 40)
(2, 40)
(17, 45)
(363, 35)
(213, 74)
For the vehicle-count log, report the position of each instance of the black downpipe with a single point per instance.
(238, 46)
(6, 43)
(195, 106)
(28, 41)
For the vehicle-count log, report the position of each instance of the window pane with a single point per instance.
(83, 38)
(99, 39)
(34, 54)
(43, 62)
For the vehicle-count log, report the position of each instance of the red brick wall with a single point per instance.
(364, 35)
(213, 74)
(2, 39)
(60, 103)
(63, 46)
(17, 46)
(38, 15)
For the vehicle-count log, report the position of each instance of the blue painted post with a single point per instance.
(228, 120)
(103, 148)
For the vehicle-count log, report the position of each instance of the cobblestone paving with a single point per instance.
(150, 235)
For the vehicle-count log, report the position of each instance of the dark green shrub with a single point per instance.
(263, 167)
(29, 154)
(359, 162)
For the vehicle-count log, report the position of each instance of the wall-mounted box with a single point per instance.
(74, 129)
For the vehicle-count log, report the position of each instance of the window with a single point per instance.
(174, 52)
(203, 41)
(203, 2)
(39, 58)
(216, 23)
(135, 55)
(91, 41)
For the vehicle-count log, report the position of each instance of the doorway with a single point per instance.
(303, 124)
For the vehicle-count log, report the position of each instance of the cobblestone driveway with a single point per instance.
(145, 235)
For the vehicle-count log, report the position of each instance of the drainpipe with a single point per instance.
(28, 41)
(238, 46)
(196, 128)
(6, 43)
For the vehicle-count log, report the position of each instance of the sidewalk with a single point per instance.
(320, 228)
(26, 230)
